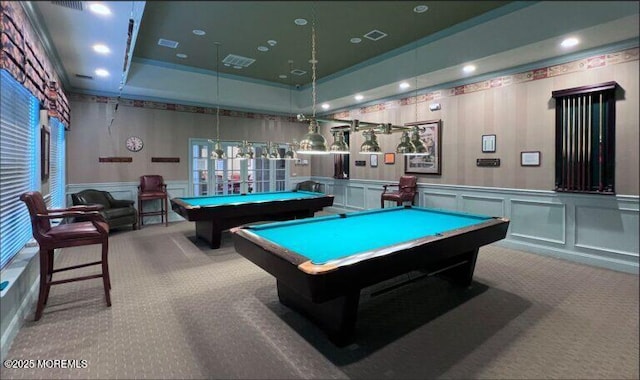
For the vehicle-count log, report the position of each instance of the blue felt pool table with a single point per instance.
(214, 214)
(321, 264)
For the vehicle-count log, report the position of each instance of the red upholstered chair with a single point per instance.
(94, 230)
(407, 189)
(153, 187)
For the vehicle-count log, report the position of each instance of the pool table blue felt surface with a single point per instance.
(336, 237)
(236, 199)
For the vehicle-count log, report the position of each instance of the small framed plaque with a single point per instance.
(373, 160)
(530, 158)
(488, 143)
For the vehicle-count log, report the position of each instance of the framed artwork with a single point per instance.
(373, 160)
(45, 147)
(531, 158)
(488, 143)
(430, 133)
(389, 158)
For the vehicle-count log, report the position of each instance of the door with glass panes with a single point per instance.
(232, 175)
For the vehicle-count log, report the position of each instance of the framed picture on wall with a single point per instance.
(45, 147)
(530, 158)
(429, 162)
(488, 143)
(373, 160)
(389, 158)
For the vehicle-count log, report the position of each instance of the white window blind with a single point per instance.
(18, 164)
(57, 172)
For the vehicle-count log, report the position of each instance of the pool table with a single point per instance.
(321, 264)
(214, 214)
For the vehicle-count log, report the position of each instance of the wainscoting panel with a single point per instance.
(536, 220)
(355, 197)
(590, 229)
(433, 199)
(483, 205)
(599, 228)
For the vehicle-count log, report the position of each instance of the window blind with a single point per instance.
(18, 164)
(57, 174)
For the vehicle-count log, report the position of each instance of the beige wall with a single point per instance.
(522, 116)
(165, 134)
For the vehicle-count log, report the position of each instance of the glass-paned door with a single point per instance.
(232, 175)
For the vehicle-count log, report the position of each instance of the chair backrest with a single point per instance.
(35, 205)
(308, 186)
(408, 184)
(91, 196)
(151, 182)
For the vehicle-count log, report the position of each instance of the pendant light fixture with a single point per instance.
(313, 142)
(370, 144)
(217, 153)
(339, 145)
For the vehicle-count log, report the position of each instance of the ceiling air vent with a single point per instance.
(69, 4)
(237, 60)
(84, 76)
(167, 43)
(375, 35)
(298, 72)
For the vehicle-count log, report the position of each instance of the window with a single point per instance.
(585, 138)
(19, 164)
(57, 174)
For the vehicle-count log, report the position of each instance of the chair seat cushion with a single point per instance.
(76, 230)
(119, 212)
(152, 195)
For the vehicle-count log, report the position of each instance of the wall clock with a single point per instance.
(134, 144)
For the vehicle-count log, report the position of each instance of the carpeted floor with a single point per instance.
(181, 310)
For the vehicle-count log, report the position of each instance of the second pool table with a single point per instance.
(321, 264)
(216, 213)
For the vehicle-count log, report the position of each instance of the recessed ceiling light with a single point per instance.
(325, 106)
(282, 76)
(420, 8)
(100, 48)
(359, 97)
(355, 40)
(300, 21)
(272, 42)
(181, 55)
(237, 67)
(263, 48)
(228, 65)
(100, 9)
(198, 32)
(469, 68)
(569, 42)
(102, 73)
(404, 85)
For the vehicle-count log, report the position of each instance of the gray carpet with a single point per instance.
(182, 310)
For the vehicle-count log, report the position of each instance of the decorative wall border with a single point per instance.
(175, 107)
(594, 62)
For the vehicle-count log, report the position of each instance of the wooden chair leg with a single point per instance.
(140, 212)
(166, 213)
(42, 294)
(106, 280)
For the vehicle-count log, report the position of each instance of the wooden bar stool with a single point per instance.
(153, 187)
(94, 230)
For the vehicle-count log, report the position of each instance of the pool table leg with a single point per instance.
(462, 274)
(337, 317)
(210, 232)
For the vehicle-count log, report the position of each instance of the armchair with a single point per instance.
(308, 186)
(117, 212)
(407, 190)
(93, 231)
